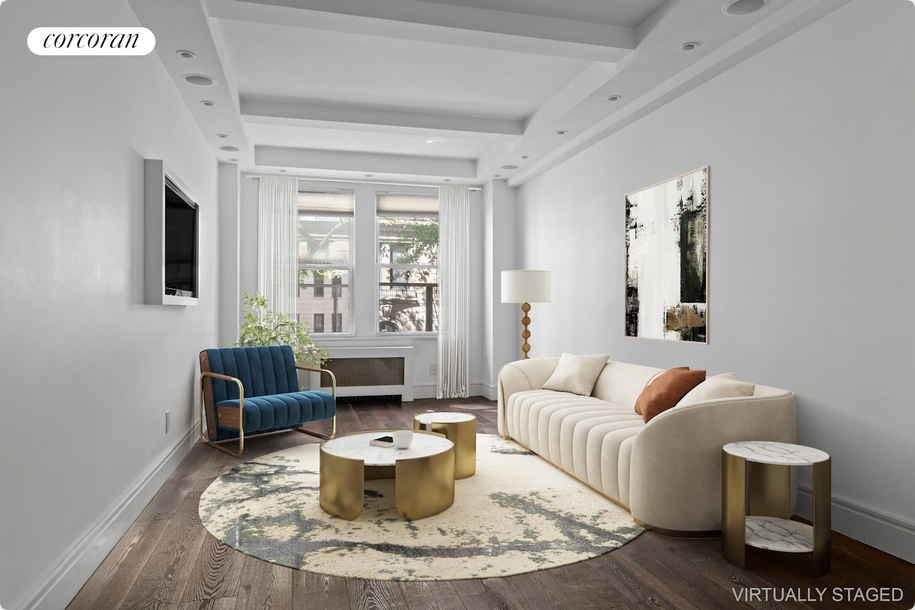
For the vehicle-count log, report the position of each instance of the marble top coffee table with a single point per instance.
(423, 473)
(458, 427)
(767, 523)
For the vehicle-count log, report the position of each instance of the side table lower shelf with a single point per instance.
(777, 534)
(766, 524)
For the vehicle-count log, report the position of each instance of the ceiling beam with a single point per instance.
(670, 85)
(376, 163)
(440, 23)
(378, 120)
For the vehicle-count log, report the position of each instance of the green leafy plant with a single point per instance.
(263, 326)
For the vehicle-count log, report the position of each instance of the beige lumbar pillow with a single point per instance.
(576, 374)
(724, 385)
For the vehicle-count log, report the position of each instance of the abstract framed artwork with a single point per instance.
(667, 259)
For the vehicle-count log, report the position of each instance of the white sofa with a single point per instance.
(666, 473)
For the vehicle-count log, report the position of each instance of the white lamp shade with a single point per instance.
(526, 286)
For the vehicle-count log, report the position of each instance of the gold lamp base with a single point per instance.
(525, 334)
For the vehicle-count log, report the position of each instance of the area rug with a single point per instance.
(516, 514)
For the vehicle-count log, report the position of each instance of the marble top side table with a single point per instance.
(461, 428)
(767, 523)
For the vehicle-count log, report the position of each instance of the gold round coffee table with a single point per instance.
(460, 428)
(423, 473)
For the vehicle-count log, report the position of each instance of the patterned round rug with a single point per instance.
(516, 514)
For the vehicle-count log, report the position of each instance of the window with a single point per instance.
(407, 262)
(324, 257)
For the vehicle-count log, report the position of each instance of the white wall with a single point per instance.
(811, 145)
(365, 284)
(87, 370)
(230, 307)
(502, 325)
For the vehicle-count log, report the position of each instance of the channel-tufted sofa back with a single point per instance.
(262, 370)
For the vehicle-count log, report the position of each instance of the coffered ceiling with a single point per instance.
(443, 90)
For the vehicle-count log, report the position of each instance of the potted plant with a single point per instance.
(263, 326)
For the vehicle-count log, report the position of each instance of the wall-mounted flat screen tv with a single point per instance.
(180, 242)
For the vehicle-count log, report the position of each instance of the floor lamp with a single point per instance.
(525, 286)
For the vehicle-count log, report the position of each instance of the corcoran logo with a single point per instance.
(91, 41)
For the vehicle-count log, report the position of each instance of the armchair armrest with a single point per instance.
(213, 410)
(223, 377)
(333, 378)
(675, 472)
(521, 376)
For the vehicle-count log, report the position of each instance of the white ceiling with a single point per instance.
(435, 90)
(299, 64)
(626, 13)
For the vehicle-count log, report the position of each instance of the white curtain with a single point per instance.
(453, 286)
(277, 208)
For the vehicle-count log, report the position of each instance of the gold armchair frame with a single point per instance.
(333, 392)
(231, 416)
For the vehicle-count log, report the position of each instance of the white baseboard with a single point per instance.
(480, 389)
(430, 390)
(865, 524)
(424, 390)
(79, 563)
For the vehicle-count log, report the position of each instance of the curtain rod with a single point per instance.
(256, 176)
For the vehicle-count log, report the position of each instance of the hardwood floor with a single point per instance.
(167, 559)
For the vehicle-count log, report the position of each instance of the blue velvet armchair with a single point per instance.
(254, 390)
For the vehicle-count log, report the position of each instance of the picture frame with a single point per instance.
(667, 238)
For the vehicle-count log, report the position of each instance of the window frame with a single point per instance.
(379, 266)
(349, 268)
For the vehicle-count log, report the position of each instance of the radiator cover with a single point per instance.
(371, 371)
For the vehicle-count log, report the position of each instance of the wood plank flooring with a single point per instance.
(167, 560)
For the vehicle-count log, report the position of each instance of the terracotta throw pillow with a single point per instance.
(638, 409)
(666, 391)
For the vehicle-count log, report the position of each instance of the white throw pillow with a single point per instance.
(576, 374)
(724, 385)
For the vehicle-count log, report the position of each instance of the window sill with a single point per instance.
(339, 338)
(410, 335)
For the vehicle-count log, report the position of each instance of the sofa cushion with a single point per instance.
(580, 434)
(724, 385)
(279, 411)
(666, 391)
(576, 374)
(524, 410)
(621, 382)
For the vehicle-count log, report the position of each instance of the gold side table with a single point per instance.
(767, 523)
(461, 428)
(423, 474)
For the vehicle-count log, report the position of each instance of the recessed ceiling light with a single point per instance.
(199, 79)
(186, 54)
(229, 148)
(222, 135)
(207, 103)
(613, 98)
(525, 156)
(561, 132)
(688, 46)
(743, 7)
(509, 167)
